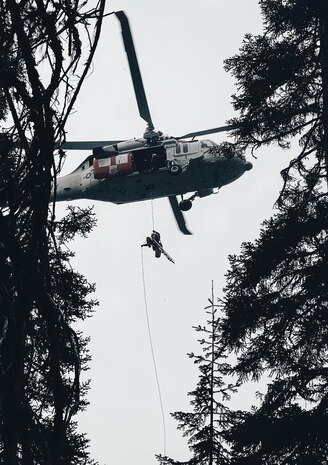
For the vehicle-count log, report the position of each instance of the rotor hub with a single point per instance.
(151, 136)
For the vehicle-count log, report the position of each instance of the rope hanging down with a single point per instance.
(152, 213)
(153, 353)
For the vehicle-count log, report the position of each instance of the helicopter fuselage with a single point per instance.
(147, 173)
(154, 166)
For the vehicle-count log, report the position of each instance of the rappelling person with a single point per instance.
(154, 241)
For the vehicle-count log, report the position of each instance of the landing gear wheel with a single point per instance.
(175, 170)
(185, 205)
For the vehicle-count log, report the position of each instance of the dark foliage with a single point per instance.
(41, 357)
(276, 321)
(276, 297)
(282, 82)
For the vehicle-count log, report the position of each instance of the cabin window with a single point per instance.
(178, 149)
(185, 148)
(193, 147)
(83, 167)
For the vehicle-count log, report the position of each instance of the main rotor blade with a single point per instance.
(178, 215)
(209, 131)
(88, 145)
(229, 127)
(134, 69)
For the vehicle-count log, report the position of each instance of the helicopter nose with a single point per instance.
(248, 166)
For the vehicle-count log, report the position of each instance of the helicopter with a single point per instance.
(153, 166)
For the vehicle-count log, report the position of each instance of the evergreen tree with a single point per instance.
(44, 59)
(70, 296)
(210, 417)
(276, 321)
(277, 289)
(282, 82)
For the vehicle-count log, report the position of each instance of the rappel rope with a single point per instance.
(152, 213)
(153, 353)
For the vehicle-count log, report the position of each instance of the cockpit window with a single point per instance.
(207, 143)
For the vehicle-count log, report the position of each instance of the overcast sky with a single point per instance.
(181, 46)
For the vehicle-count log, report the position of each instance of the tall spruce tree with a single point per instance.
(282, 83)
(276, 297)
(210, 417)
(46, 50)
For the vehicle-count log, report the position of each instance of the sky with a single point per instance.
(181, 46)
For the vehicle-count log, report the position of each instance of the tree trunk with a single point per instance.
(324, 70)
